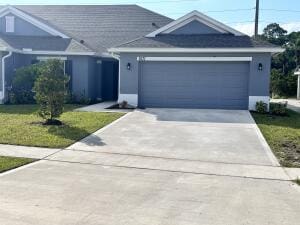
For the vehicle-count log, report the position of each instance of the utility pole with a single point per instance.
(256, 18)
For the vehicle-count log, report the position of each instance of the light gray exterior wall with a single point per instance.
(22, 27)
(1, 55)
(258, 80)
(83, 72)
(195, 27)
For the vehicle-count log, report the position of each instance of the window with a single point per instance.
(45, 58)
(10, 24)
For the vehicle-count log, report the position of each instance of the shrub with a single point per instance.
(22, 84)
(50, 88)
(261, 107)
(80, 99)
(83, 100)
(283, 85)
(279, 109)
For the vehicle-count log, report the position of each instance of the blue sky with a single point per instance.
(271, 10)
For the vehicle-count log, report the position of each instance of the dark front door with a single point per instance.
(110, 80)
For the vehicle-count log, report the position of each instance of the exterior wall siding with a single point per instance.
(83, 73)
(258, 80)
(22, 27)
(1, 93)
(195, 27)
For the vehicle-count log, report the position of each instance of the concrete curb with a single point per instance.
(100, 130)
(265, 144)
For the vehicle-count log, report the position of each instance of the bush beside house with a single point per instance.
(22, 84)
(21, 91)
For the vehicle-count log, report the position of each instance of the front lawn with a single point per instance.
(8, 163)
(20, 125)
(283, 136)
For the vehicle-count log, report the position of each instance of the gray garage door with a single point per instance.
(212, 85)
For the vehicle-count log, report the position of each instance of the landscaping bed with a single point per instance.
(20, 125)
(283, 135)
(8, 163)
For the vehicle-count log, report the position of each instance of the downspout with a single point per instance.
(3, 74)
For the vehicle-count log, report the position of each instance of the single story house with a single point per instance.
(129, 53)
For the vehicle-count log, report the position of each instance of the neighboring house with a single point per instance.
(126, 52)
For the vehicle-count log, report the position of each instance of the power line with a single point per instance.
(216, 11)
(237, 22)
(281, 10)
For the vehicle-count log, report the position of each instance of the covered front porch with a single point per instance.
(93, 78)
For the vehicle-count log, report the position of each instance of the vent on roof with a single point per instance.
(81, 41)
(155, 25)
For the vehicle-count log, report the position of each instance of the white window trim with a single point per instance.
(9, 24)
(196, 59)
(201, 18)
(12, 10)
(45, 58)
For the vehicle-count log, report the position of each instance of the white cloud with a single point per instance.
(291, 26)
(246, 28)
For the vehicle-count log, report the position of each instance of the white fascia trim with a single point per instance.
(196, 59)
(196, 50)
(55, 53)
(202, 18)
(131, 99)
(254, 99)
(28, 52)
(30, 19)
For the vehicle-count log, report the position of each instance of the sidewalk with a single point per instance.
(293, 104)
(26, 152)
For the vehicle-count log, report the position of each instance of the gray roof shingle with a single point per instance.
(196, 41)
(45, 43)
(100, 26)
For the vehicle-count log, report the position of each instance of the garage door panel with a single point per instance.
(194, 85)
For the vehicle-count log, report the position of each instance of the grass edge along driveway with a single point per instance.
(283, 136)
(9, 163)
(20, 125)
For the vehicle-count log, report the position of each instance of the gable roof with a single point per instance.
(196, 43)
(99, 26)
(9, 9)
(195, 16)
(43, 43)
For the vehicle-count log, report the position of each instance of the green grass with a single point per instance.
(8, 163)
(283, 136)
(20, 125)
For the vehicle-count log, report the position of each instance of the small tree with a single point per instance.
(50, 91)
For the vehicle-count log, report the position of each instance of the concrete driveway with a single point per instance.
(156, 167)
(205, 135)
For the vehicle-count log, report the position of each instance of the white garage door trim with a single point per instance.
(196, 59)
